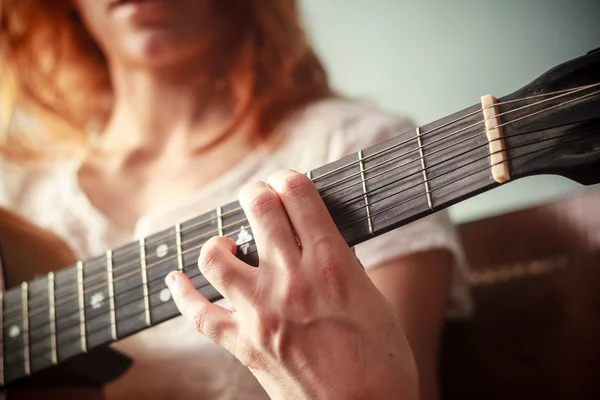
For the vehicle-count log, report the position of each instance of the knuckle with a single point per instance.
(181, 296)
(268, 326)
(328, 258)
(295, 293)
(263, 203)
(249, 354)
(199, 320)
(211, 263)
(203, 324)
(210, 257)
(290, 184)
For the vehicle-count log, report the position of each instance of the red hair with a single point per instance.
(53, 69)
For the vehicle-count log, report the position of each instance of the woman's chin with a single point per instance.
(158, 49)
(145, 12)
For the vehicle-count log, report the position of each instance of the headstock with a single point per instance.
(552, 125)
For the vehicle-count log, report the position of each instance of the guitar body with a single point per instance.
(25, 252)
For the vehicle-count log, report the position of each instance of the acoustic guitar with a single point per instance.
(56, 327)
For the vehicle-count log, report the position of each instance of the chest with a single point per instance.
(145, 187)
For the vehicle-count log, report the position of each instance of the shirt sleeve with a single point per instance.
(367, 127)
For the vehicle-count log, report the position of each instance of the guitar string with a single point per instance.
(35, 348)
(361, 208)
(486, 168)
(90, 264)
(90, 268)
(123, 295)
(475, 135)
(571, 91)
(136, 271)
(444, 137)
(157, 240)
(346, 201)
(239, 222)
(378, 153)
(74, 297)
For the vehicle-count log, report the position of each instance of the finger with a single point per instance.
(273, 233)
(213, 321)
(229, 275)
(305, 207)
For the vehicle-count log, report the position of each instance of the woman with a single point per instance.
(154, 111)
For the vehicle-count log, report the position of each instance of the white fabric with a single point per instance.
(173, 353)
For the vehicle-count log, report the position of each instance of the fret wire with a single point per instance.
(568, 92)
(413, 198)
(1, 337)
(364, 188)
(52, 316)
(145, 281)
(350, 200)
(178, 244)
(452, 134)
(361, 196)
(25, 315)
(354, 223)
(111, 295)
(485, 145)
(425, 180)
(556, 106)
(81, 306)
(219, 221)
(486, 168)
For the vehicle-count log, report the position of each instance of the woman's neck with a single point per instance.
(154, 108)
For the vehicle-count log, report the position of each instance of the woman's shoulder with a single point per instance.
(21, 181)
(342, 110)
(346, 126)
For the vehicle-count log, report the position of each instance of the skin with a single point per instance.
(325, 332)
(158, 65)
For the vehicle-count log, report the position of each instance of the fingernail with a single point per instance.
(170, 278)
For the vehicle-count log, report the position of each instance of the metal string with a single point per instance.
(212, 233)
(486, 168)
(89, 290)
(90, 265)
(360, 208)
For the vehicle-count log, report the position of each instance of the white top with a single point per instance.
(172, 355)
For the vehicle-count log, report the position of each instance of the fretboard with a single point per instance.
(114, 295)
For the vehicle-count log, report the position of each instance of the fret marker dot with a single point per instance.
(162, 250)
(97, 300)
(165, 295)
(14, 331)
(243, 240)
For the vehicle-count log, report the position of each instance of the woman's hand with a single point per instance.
(308, 322)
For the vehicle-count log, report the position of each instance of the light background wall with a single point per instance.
(429, 58)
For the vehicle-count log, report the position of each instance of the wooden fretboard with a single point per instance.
(116, 294)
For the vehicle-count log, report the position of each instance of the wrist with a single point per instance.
(388, 380)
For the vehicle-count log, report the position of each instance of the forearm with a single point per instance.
(417, 286)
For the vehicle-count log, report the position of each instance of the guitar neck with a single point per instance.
(112, 296)
(121, 292)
